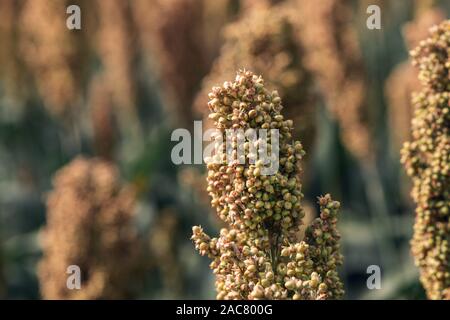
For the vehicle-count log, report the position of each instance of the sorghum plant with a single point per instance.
(53, 54)
(403, 81)
(333, 56)
(160, 33)
(89, 224)
(263, 40)
(117, 49)
(160, 23)
(260, 255)
(426, 158)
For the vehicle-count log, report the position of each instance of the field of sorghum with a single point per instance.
(87, 178)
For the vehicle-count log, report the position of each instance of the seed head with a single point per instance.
(426, 158)
(260, 256)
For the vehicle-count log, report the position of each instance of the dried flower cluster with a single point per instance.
(182, 61)
(52, 53)
(400, 85)
(403, 81)
(427, 161)
(333, 56)
(263, 40)
(11, 70)
(116, 45)
(260, 255)
(58, 59)
(89, 224)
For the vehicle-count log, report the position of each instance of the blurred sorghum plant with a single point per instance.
(403, 80)
(260, 255)
(11, 71)
(333, 56)
(180, 62)
(426, 158)
(53, 54)
(117, 49)
(89, 224)
(263, 41)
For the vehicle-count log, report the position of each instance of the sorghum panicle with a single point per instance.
(89, 224)
(426, 158)
(260, 255)
(263, 40)
(117, 46)
(52, 54)
(100, 106)
(403, 81)
(181, 61)
(333, 56)
(12, 73)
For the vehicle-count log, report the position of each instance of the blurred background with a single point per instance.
(86, 117)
